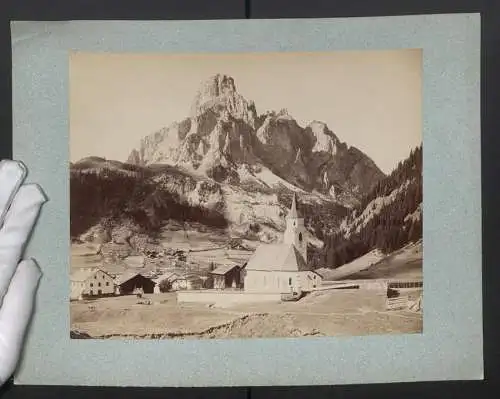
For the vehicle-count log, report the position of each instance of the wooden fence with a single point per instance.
(405, 284)
(397, 303)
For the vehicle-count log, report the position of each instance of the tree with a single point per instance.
(411, 232)
(209, 282)
(415, 231)
(165, 285)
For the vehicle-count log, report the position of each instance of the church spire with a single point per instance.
(293, 209)
(295, 232)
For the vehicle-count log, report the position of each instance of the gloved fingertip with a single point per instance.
(30, 266)
(17, 169)
(22, 166)
(34, 191)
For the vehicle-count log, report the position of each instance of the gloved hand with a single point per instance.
(19, 208)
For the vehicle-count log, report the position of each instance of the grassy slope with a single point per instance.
(403, 263)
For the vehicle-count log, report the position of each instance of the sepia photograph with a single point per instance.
(245, 195)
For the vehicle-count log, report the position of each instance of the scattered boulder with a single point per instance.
(97, 234)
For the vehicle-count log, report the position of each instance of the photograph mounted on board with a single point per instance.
(245, 195)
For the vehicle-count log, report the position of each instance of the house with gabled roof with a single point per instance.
(169, 277)
(132, 282)
(283, 268)
(92, 282)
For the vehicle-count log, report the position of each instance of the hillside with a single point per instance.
(387, 218)
(112, 196)
(404, 263)
(124, 194)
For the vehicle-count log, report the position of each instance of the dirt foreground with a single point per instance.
(327, 313)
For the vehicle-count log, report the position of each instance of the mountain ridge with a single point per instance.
(224, 131)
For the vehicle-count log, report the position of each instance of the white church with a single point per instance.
(283, 268)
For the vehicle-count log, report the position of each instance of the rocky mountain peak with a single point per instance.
(218, 94)
(223, 132)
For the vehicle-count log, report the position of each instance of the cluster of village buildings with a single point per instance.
(273, 268)
(95, 282)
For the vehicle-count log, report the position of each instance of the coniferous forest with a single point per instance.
(387, 228)
(116, 197)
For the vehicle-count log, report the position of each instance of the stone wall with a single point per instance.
(226, 297)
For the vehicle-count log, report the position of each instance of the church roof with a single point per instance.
(293, 209)
(277, 257)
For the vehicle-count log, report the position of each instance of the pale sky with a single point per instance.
(369, 99)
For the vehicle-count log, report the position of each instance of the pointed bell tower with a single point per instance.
(295, 232)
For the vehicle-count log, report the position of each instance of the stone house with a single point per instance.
(91, 283)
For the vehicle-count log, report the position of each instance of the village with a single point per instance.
(233, 282)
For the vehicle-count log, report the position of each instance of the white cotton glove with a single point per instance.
(19, 208)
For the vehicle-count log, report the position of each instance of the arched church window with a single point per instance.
(300, 237)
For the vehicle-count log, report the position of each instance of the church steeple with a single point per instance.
(295, 232)
(293, 209)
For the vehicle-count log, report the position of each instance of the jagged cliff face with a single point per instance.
(225, 139)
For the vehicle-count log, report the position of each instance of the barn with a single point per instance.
(227, 276)
(128, 283)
